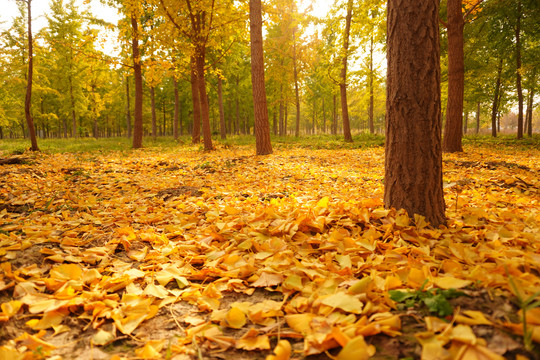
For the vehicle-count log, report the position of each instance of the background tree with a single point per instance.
(413, 163)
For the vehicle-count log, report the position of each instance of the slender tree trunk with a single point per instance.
(176, 120)
(260, 109)
(128, 109)
(518, 72)
(466, 121)
(203, 98)
(530, 104)
(343, 84)
(334, 118)
(413, 162)
(456, 77)
(323, 117)
(28, 98)
(314, 115)
(296, 91)
(496, 100)
(281, 112)
(154, 120)
(275, 121)
(137, 75)
(223, 128)
(477, 117)
(370, 115)
(196, 130)
(74, 132)
(237, 100)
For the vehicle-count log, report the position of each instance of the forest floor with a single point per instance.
(184, 254)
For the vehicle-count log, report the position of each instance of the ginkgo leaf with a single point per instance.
(102, 337)
(235, 318)
(268, 279)
(282, 351)
(345, 302)
(356, 349)
(449, 282)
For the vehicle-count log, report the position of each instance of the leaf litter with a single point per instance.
(222, 255)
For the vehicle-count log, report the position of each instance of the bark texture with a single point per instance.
(413, 163)
(343, 85)
(494, 108)
(137, 75)
(222, 126)
(196, 131)
(456, 76)
(28, 98)
(518, 72)
(262, 126)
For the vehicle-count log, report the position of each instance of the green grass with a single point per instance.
(122, 144)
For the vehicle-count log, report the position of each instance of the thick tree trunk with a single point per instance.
(153, 105)
(296, 90)
(128, 109)
(203, 98)
(518, 72)
(196, 130)
(496, 100)
(28, 98)
(137, 75)
(370, 111)
(456, 77)
(343, 85)
(260, 109)
(222, 126)
(176, 120)
(413, 163)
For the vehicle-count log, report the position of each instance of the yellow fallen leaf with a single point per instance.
(356, 349)
(102, 337)
(7, 353)
(67, 272)
(282, 351)
(472, 317)
(345, 302)
(150, 350)
(449, 282)
(235, 318)
(323, 203)
(259, 342)
(301, 323)
(49, 319)
(11, 308)
(268, 279)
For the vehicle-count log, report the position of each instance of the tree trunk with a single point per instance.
(128, 109)
(465, 121)
(370, 115)
(196, 130)
(222, 126)
(28, 98)
(323, 117)
(530, 104)
(456, 75)
(260, 109)
(518, 72)
(296, 91)
(334, 118)
(153, 102)
(477, 117)
(275, 121)
(74, 132)
(281, 112)
(496, 100)
(413, 163)
(203, 98)
(137, 75)
(176, 120)
(343, 85)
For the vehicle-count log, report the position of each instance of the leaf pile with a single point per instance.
(186, 254)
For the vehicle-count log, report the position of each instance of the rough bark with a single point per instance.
(137, 75)
(28, 98)
(413, 163)
(343, 84)
(203, 98)
(196, 130)
(496, 100)
(260, 109)
(518, 72)
(222, 126)
(456, 77)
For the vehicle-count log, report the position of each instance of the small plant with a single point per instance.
(525, 304)
(436, 300)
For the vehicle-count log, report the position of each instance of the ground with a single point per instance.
(185, 254)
